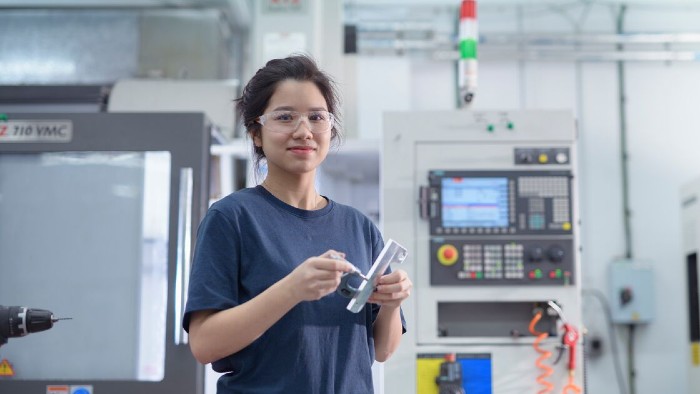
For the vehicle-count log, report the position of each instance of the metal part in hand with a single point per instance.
(393, 252)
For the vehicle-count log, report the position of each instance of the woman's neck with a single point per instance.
(299, 193)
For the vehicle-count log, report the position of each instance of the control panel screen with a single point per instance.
(474, 202)
(500, 227)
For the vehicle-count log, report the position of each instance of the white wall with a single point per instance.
(664, 152)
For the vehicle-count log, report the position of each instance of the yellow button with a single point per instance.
(447, 254)
(566, 226)
(543, 158)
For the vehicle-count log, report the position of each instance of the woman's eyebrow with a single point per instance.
(284, 108)
(289, 108)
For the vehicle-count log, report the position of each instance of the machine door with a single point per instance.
(97, 214)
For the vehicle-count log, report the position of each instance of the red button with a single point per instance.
(448, 253)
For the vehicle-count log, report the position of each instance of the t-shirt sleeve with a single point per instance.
(213, 282)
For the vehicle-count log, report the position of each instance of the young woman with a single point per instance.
(262, 303)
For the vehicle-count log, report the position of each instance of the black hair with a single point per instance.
(258, 91)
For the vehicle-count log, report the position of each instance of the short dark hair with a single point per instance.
(258, 91)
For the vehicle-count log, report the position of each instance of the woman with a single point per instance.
(262, 304)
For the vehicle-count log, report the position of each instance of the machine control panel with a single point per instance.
(500, 227)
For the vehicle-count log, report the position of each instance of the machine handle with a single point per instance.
(184, 242)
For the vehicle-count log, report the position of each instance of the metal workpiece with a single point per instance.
(392, 253)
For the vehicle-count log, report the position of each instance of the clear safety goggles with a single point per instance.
(318, 122)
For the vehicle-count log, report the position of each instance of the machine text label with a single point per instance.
(36, 131)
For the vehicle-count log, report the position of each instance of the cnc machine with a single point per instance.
(486, 204)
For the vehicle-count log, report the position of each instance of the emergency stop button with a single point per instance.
(447, 254)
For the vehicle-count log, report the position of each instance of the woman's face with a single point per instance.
(300, 151)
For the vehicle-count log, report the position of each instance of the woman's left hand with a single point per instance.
(392, 289)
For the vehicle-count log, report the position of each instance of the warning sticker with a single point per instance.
(57, 390)
(80, 389)
(6, 369)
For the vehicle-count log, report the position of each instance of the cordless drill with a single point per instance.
(18, 321)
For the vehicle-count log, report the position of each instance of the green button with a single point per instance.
(3, 117)
(479, 275)
(490, 128)
(510, 126)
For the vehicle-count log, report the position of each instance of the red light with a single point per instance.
(468, 9)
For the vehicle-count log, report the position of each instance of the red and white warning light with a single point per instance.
(468, 39)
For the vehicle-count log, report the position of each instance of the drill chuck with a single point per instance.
(18, 321)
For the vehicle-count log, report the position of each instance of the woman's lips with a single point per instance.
(301, 149)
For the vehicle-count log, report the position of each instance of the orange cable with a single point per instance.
(571, 386)
(544, 354)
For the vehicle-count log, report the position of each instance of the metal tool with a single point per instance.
(18, 321)
(356, 271)
(392, 252)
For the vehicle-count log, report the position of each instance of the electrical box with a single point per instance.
(631, 292)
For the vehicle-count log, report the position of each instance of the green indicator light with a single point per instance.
(479, 275)
(3, 118)
(490, 128)
(510, 126)
(467, 49)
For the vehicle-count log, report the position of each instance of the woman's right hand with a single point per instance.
(318, 276)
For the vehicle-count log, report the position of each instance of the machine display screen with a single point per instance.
(474, 202)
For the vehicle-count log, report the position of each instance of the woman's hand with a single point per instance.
(318, 276)
(392, 289)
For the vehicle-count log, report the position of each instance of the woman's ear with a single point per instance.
(257, 139)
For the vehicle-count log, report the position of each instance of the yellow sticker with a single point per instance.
(6, 368)
(427, 370)
(695, 351)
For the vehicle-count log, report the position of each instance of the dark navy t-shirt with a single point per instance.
(248, 241)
